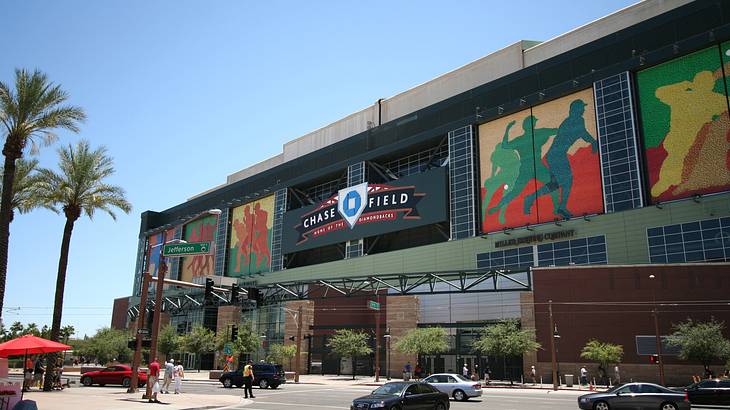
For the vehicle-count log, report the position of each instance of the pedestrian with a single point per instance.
(28, 373)
(179, 374)
(465, 371)
(418, 372)
(477, 373)
(169, 373)
(708, 373)
(38, 370)
(407, 372)
(583, 375)
(617, 374)
(487, 374)
(154, 380)
(248, 378)
(533, 375)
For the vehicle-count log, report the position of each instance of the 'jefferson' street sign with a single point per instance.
(186, 249)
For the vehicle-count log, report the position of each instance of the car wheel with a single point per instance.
(600, 405)
(239, 385)
(395, 408)
(460, 396)
(126, 382)
(440, 406)
(86, 381)
(227, 383)
(102, 385)
(668, 406)
(263, 383)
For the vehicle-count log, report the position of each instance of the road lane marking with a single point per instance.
(320, 406)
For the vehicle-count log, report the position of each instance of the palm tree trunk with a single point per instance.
(58, 302)
(6, 214)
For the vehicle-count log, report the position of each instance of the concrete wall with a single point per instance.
(493, 66)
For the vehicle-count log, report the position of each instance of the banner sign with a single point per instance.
(366, 210)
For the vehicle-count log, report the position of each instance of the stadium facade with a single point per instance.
(564, 172)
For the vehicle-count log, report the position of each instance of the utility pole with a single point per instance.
(140, 328)
(554, 362)
(299, 344)
(156, 315)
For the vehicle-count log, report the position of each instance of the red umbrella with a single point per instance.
(30, 344)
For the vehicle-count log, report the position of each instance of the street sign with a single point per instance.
(143, 331)
(373, 305)
(228, 349)
(186, 249)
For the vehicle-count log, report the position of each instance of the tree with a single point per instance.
(248, 341)
(32, 329)
(348, 343)
(79, 187)
(29, 113)
(107, 345)
(16, 329)
(168, 340)
(602, 353)
(426, 341)
(700, 341)
(24, 197)
(506, 339)
(66, 333)
(278, 353)
(200, 341)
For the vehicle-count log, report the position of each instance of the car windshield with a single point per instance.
(390, 389)
(462, 378)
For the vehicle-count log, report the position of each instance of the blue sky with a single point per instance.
(183, 93)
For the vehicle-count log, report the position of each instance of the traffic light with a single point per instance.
(234, 333)
(234, 293)
(208, 289)
(292, 338)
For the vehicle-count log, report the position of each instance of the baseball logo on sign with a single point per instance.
(351, 202)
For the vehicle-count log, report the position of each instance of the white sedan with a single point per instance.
(455, 385)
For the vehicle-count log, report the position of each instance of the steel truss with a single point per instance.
(420, 283)
(394, 284)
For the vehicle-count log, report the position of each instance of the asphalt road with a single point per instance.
(340, 397)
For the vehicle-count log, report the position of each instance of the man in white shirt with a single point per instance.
(169, 372)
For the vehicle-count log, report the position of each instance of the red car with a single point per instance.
(118, 374)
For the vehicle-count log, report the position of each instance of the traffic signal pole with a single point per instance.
(156, 318)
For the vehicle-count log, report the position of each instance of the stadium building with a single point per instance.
(587, 174)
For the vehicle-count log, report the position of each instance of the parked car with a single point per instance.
(264, 374)
(455, 385)
(403, 396)
(118, 374)
(635, 396)
(712, 391)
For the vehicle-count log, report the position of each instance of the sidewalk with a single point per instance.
(114, 399)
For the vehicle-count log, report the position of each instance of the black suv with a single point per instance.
(264, 374)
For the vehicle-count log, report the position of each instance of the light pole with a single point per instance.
(387, 352)
(553, 358)
(655, 313)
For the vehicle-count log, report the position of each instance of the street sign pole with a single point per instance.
(140, 327)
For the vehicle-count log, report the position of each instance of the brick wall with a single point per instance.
(290, 330)
(401, 316)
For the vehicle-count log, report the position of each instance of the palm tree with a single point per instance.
(26, 178)
(27, 114)
(79, 187)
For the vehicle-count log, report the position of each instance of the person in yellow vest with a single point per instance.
(248, 379)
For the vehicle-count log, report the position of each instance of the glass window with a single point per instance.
(412, 389)
(451, 380)
(689, 242)
(708, 384)
(648, 388)
(423, 388)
